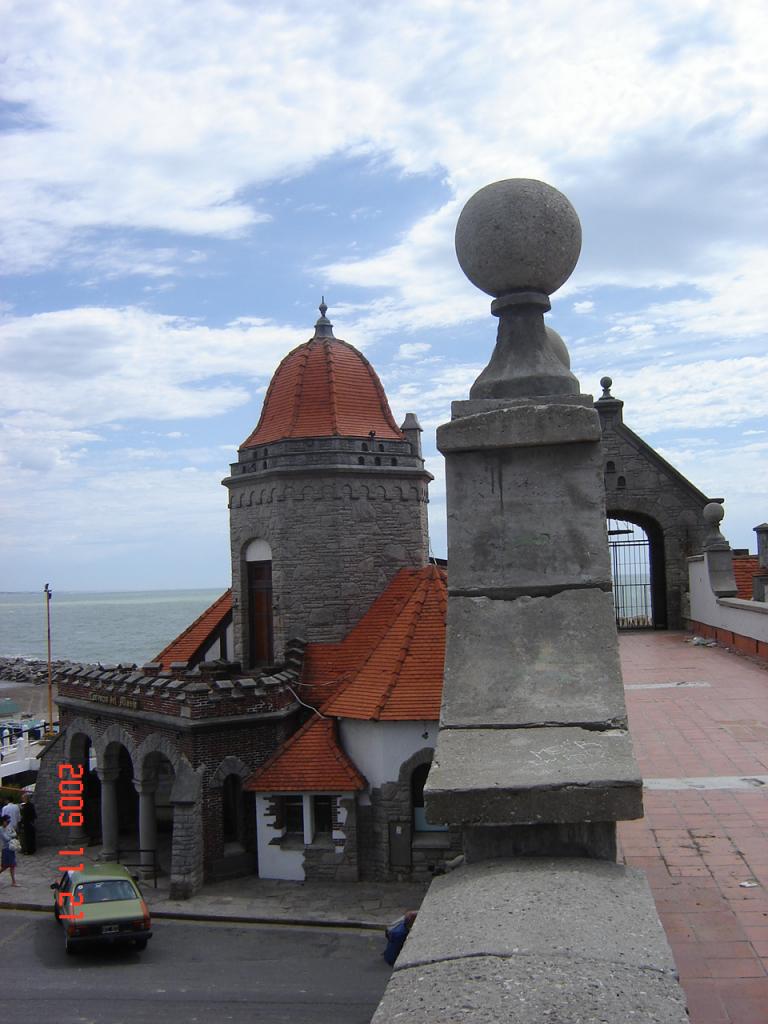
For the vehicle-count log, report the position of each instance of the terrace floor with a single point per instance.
(699, 721)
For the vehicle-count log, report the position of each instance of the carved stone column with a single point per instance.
(109, 817)
(147, 824)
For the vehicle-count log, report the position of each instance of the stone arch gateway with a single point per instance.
(643, 488)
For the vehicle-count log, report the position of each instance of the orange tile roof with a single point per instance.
(324, 388)
(744, 568)
(310, 761)
(390, 666)
(189, 644)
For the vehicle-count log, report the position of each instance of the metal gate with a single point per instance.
(631, 571)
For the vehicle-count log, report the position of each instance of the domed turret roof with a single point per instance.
(324, 388)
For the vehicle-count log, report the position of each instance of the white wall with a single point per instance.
(275, 862)
(749, 618)
(379, 748)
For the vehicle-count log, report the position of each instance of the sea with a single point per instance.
(126, 628)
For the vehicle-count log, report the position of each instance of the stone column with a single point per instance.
(109, 819)
(533, 754)
(147, 824)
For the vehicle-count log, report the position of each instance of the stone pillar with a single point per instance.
(534, 755)
(718, 556)
(109, 819)
(760, 578)
(147, 825)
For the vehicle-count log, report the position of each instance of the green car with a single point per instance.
(101, 904)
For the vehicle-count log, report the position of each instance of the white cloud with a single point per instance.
(73, 371)
(412, 350)
(159, 116)
(587, 306)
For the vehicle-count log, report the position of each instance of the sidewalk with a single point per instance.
(699, 721)
(251, 899)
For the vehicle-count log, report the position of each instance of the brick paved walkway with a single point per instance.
(703, 752)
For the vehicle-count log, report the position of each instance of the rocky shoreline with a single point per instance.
(26, 671)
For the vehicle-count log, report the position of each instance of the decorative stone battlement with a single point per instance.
(210, 690)
(333, 489)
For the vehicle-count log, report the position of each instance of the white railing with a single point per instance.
(18, 754)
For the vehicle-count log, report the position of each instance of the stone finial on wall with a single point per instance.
(519, 241)
(717, 552)
(533, 754)
(713, 515)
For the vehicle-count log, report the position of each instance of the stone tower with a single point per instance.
(328, 500)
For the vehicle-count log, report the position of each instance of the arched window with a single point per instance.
(610, 467)
(621, 483)
(258, 560)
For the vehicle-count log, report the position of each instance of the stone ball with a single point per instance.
(558, 346)
(713, 513)
(605, 383)
(516, 235)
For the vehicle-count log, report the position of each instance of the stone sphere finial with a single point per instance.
(605, 384)
(558, 346)
(713, 514)
(518, 235)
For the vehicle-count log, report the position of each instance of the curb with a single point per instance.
(296, 922)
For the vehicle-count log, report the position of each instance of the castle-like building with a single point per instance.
(289, 730)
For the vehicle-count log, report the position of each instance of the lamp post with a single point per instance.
(48, 595)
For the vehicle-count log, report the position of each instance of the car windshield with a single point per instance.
(106, 891)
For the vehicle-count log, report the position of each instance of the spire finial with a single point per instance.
(605, 384)
(323, 327)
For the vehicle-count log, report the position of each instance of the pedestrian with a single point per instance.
(10, 843)
(28, 819)
(396, 935)
(11, 810)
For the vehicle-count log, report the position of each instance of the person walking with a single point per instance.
(11, 810)
(9, 844)
(28, 819)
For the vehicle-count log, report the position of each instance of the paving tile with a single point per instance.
(697, 845)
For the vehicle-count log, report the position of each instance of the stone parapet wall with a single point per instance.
(531, 940)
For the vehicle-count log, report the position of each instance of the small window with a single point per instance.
(323, 812)
(360, 460)
(264, 464)
(381, 447)
(393, 461)
(364, 446)
(610, 467)
(621, 482)
(293, 815)
(377, 461)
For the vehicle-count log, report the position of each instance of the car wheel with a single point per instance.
(141, 944)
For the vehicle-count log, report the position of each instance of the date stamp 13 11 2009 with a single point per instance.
(71, 816)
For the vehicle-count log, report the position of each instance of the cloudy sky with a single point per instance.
(183, 179)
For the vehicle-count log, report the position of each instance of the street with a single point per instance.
(196, 972)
